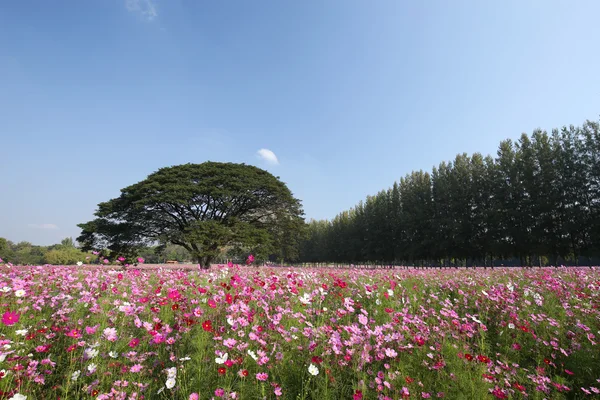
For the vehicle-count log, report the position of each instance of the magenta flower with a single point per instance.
(140, 260)
(10, 318)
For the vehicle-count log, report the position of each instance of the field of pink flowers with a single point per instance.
(285, 333)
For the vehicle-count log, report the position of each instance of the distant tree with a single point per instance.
(5, 251)
(201, 207)
(64, 256)
(67, 242)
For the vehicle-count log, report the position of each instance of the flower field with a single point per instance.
(283, 333)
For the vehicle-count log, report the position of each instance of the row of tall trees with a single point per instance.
(537, 201)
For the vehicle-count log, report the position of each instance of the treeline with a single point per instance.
(536, 202)
(67, 253)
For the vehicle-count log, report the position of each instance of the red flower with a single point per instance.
(175, 307)
(317, 360)
(519, 387)
(222, 370)
(499, 394)
(420, 341)
(207, 325)
(469, 357)
(134, 342)
(357, 395)
(483, 359)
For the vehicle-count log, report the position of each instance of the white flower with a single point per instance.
(484, 293)
(390, 292)
(222, 359)
(511, 325)
(18, 396)
(91, 353)
(21, 332)
(252, 354)
(170, 383)
(313, 370)
(3, 372)
(113, 354)
(75, 375)
(6, 289)
(171, 372)
(79, 263)
(19, 293)
(92, 368)
(185, 359)
(305, 299)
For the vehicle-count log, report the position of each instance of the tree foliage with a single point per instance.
(203, 208)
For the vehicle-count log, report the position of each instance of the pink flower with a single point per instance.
(219, 392)
(262, 376)
(10, 318)
(140, 260)
(110, 334)
(194, 396)
(363, 319)
(136, 368)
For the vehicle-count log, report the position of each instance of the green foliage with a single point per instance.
(203, 208)
(64, 256)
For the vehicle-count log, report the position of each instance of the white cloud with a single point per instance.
(43, 226)
(268, 156)
(145, 8)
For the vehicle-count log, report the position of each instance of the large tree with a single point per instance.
(202, 207)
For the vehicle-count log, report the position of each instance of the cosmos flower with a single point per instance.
(10, 318)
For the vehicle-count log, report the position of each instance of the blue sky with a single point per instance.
(349, 95)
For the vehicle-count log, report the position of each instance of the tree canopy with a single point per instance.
(204, 208)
